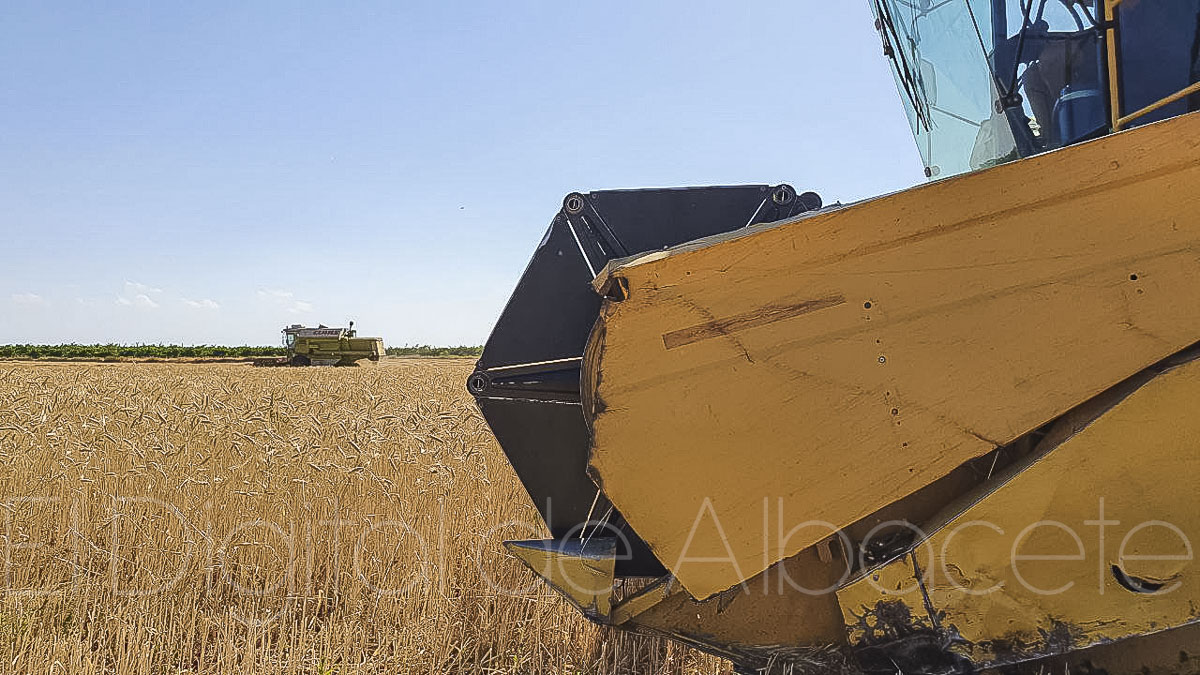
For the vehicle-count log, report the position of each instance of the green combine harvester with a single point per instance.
(325, 346)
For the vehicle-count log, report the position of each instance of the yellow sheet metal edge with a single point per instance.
(751, 395)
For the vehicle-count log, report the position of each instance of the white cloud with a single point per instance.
(137, 294)
(141, 300)
(285, 299)
(201, 304)
(274, 294)
(28, 299)
(137, 288)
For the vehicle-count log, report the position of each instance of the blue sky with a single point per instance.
(209, 172)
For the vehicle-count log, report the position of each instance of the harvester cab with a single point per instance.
(985, 82)
(874, 436)
(325, 346)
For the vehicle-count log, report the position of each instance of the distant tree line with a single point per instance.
(118, 351)
(427, 350)
(113, 351)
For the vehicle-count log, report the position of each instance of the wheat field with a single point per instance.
(218, 518)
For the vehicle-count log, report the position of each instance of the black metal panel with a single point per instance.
(646, 220)
(1160, 55)
(553, 307)
(553, 299)
(527, 379)
(542, 432)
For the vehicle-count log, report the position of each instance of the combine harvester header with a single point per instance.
(943, 431)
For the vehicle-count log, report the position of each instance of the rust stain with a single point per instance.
(739, 322)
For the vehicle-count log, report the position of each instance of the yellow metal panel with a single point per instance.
(820, 369)
(1065, 554)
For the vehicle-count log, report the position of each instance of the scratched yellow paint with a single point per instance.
(972, 310)
(1037, 556)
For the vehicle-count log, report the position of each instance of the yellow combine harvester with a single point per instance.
(325, 346)
(949, 430)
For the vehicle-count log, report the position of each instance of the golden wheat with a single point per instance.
(171, 518)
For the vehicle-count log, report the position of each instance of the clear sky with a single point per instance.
(209, 172)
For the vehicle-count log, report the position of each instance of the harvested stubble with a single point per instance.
(169, 518)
